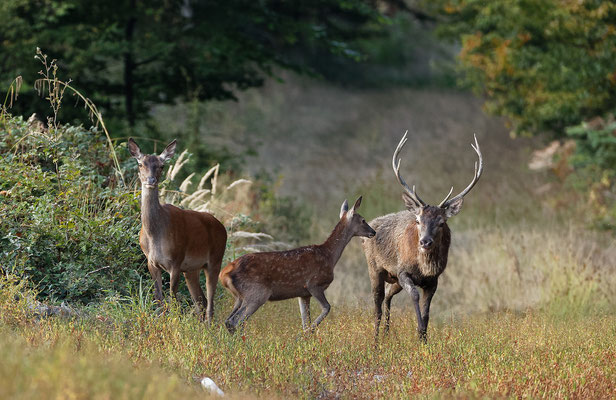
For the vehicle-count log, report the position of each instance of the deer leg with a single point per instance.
(392, 290)
(244, 313)
(230, 321)
(428, 292)
(248, 307)
(236, 307)
(407, 284)
(233, 320)
(211, 279)
(174, 281)
(319, 294)
(378, 293)
(192, 281)
(156, 274)
(304, 309)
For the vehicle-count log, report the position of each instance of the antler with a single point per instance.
(445, 203)
(396, 167)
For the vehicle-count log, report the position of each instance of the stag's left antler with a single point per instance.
(445, 203)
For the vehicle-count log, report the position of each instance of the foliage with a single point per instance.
(67, 224)
(406, 52)
(547, 66)
(595, 161)
(544, 65)
(129, 55)
(597, 143)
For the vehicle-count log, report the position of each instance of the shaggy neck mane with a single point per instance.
(433, 262)
(430, 262)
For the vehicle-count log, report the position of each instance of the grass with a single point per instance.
(42, 369)
(127, 351)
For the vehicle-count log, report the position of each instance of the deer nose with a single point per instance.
(426, 243)
(151, 180)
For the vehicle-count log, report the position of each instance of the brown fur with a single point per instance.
(307, 271)
(395, 251)
(178, 241)
(411, 247)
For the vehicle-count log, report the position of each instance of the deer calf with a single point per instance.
(305, 272)
(410, 248)
(175, 240)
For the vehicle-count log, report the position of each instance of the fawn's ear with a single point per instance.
(344, 208)
(454, 208)
(355, 207)
(134, 149)
(169, 151)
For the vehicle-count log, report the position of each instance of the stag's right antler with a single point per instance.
(445, 203)
(396, 166)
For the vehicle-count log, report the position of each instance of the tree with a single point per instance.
(131, 54)
(549, 66)
(543, 64)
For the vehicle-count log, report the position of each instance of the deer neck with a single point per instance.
(153, 216)
(433, 262)
(337, 241)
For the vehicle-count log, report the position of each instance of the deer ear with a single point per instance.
(355, 207)
(454, 208)
(169, 151)
(344, 208)
(134, 149)
(357, 204)
(410, 204)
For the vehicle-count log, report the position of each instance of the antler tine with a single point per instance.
(476, 176)
(448, 194)
(396, 166)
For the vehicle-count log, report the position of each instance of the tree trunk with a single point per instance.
(129, 66)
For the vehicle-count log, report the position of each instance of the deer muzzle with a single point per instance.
(426, 243)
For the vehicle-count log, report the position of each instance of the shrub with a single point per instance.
(67, 224)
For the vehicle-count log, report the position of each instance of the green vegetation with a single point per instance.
(544, 65)
(548, 67)
(68, 224)
(129, 55)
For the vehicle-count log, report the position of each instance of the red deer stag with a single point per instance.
(253, 279)
(410, 248)
(175, 240)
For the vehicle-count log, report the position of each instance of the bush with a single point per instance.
(595, 163)
(67, 224)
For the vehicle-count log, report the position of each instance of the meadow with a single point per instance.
(124, 350)
(524, 309)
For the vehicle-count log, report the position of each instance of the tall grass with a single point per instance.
(125, 350)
